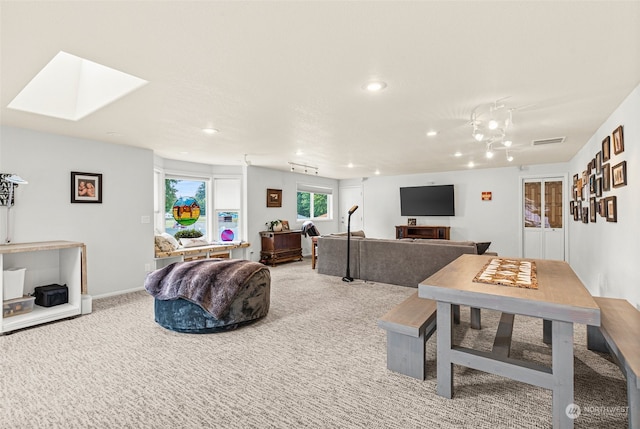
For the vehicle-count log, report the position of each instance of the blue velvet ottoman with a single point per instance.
(210, 295)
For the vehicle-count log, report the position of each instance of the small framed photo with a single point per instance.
(285, 225)
(274, 197)
(619, 173)
(618, 141)
(602, 207)
(606, 148)
(411, 221)
(599, 163)
(612, 209)
(585, 214)
(592, 184)
(606, 177)
(86, 187)
(598, 187)
(593, 205)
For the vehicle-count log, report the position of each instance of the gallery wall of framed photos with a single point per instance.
(592, 187)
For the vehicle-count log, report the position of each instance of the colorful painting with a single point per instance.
(186, 211)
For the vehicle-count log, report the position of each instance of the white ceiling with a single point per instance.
(280, 77)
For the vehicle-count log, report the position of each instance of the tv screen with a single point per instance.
(427, 201)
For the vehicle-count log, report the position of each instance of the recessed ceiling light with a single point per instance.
(70, 87)
(377, 173)
(299, 152)
(210, 131)
(507, 143)
(350, 165)
(375, 86)
(432, 133)
(489, 154)
(458, 154)
(470, 164)
(509, 158)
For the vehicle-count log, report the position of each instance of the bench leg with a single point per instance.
(406, 354)
(595, 340)
(633, 399)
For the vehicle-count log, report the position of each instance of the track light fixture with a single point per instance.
(490, 121)
(305, 167)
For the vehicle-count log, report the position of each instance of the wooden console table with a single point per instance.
(281, 246)
(423, 231)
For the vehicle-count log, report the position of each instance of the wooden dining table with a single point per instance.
(560, 298)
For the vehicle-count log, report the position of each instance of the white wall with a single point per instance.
(605, 255)
(259, 180)
(497, 221)
(118, 244)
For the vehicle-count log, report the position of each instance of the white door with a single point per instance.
(351, 196)
(543, 218)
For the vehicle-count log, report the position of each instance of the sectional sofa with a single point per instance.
(404, 262)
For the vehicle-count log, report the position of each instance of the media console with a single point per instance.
(427, 232)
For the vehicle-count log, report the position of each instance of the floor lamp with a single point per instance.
(347, 277)
(12, 180)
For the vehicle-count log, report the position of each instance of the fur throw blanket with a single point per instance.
(211, 283)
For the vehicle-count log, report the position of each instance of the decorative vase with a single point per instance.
(277, 227)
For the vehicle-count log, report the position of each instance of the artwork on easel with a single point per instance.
(4, 190)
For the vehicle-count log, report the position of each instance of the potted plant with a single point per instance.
(187, 233)
(274, 225)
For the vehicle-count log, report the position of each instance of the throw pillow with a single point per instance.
(163, 245)
(193, 242)
(171, 239)
(482, 247)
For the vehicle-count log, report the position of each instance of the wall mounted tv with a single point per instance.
(427, 201)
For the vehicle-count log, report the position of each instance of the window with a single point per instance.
(314, 202)
(226, 197)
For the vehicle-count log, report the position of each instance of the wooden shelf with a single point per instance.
(51, 262)
(423, 231)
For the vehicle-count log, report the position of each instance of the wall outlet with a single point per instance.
(145, 219)
(147, 267)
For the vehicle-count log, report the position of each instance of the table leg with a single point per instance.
(445, 340)
(546, 331)
(562, 367)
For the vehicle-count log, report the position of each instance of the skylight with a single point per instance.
(70, 87)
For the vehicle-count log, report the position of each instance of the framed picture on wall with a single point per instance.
(593, 205)
(599, 163)
(619, 173)
(612, 209)
(618, 141)
(606, 177)
(606, 148)
(274, 197)
(86, 187)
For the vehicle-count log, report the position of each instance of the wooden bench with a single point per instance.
(409, 325)
(619, 334)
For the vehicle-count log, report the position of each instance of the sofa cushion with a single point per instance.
(359, 233)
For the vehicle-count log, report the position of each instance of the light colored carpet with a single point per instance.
(317, 360)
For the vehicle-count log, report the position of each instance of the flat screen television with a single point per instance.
(427, 201)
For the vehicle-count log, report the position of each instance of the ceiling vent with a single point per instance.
(553, 140)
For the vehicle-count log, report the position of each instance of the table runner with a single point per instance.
(509, 272)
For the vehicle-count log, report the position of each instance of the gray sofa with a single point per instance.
(405, 262)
